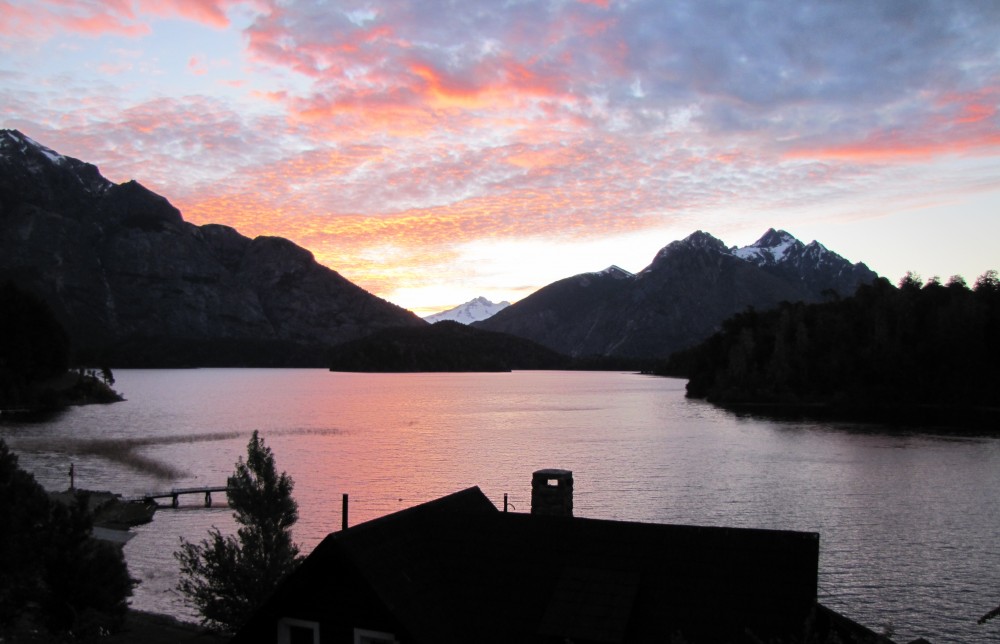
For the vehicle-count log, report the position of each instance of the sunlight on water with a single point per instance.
(908, 521)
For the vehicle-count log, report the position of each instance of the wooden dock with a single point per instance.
(175, 494)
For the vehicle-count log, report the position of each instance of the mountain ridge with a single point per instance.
(680, 298)
(136, 285)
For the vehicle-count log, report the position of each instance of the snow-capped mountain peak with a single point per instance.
(474, 310)
(774, 247)
(13, 139)
(31, 157)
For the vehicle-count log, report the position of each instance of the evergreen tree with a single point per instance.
(889, 353)
(56, 579)
(228, 578)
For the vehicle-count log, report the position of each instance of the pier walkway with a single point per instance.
(175, 493)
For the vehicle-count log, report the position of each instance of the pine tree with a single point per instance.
(229, 577)
(58, 583)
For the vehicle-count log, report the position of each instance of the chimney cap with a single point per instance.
(553, 472)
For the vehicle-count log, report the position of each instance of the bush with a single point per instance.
(57, 578)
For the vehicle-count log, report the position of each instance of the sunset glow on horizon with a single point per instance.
(433, 153)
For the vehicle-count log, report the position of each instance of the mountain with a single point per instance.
(681, 298)
(812, 265)
(136, 285)
(444, 346)
(472, 311)
(575, 316)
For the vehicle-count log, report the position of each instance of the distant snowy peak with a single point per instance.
(472, 311)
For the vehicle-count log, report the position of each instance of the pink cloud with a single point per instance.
(44, 19)
(961, 125)
(115, 69)
(211, 13)
(196, 66)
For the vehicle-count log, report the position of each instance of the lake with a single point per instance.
(908, 520)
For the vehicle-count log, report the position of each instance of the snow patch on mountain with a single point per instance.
(37, 160)
(25, 143)
(472, 311)
(617, 272)
(774, 247)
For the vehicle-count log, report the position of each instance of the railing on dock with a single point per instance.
(175, 494)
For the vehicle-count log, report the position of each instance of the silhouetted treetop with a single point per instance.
(916, 345)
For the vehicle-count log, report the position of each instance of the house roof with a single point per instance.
(456, 569)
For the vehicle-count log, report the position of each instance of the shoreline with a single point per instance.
(157, 628)
(943, 418)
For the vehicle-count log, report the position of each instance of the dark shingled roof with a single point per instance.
(458, 570)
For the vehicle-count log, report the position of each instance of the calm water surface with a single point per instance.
(908, 520)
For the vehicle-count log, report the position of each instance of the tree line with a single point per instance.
(886, 348)
(35, 358)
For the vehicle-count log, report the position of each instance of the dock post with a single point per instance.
(343, 520)
(504, 501)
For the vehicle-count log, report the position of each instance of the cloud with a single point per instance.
(45, 19)
(196, 66)
(373, 130)
(952, 124)
(211, 13)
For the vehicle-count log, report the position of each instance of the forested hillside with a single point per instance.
(444, 346)
(885, 348)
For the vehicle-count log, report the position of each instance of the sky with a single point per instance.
(436, 151)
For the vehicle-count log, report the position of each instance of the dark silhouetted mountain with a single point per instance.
(136, 285)
(575, 316)
(681, 298)
(444, 346)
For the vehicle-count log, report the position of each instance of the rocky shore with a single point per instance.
(110, 510)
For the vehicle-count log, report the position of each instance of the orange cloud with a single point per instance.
(413, 240)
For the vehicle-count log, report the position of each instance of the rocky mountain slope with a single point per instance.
(472, 311)
(681, 298)
(134, 284)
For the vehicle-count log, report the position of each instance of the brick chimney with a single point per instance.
(552, 493)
